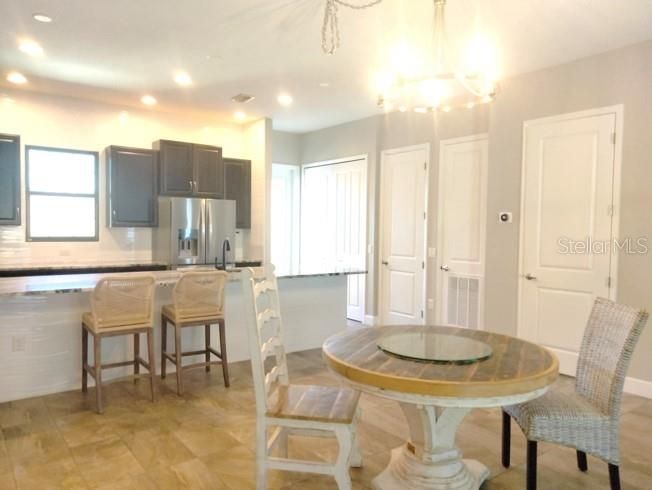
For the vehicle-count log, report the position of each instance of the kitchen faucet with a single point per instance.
(226, 247)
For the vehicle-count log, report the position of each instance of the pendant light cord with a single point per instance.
(330, 31)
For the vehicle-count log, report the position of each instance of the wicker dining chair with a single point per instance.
(120, 305)
(198, 300)
(290, 409)
(587, 419)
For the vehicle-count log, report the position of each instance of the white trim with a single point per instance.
(618, 111)
(295, 238)
(371, 320)
(378, 258)
(335, 161)
(640, 387)
(439, 282)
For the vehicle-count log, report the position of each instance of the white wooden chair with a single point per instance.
(305, 410)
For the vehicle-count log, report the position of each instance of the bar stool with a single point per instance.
(198, 300)
(120, 305)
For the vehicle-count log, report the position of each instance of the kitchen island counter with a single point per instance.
(77, 283)
(40, 325)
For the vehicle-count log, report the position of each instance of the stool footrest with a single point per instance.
(201, 364)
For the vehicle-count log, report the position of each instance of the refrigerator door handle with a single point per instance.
(202, 231)
(207, 231)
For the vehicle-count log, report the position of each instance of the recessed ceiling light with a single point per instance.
(30, 47)
(402, 108)
(446, 108)
(17, 78)
(240, 116)
(148, 100)
(324, 84)
(285, 100)
(420, 110)
(470, 105)
(46, 19)
(182, 78)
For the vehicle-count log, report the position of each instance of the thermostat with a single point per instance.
(504, 217)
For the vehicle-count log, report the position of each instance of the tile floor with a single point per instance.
(205, 439)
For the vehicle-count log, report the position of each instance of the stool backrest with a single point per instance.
(123, 300)
(200, 294)
(611, 334)
(265, 329)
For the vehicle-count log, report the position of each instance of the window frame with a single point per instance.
(29, 193)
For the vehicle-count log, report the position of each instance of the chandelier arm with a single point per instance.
(467, 85)
(360, 6)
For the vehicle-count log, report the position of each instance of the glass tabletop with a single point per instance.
(434, 347)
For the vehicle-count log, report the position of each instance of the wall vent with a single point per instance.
(463, 301)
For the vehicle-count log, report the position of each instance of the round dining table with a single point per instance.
(438, 374)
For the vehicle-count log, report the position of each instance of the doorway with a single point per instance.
(462, 231)
(569, 225)
(334, 223)
(404, 198)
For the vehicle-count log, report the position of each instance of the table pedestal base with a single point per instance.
(430, 460)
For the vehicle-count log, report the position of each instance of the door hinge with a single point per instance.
(425, 165)
(423, 265)
(421, 313)
(424, 215)
(609, 282)
(613, 138)
(610, 210)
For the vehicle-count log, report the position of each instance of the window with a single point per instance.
(285, 218)
(62, 194)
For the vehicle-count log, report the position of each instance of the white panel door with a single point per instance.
(334, 229)
(568, 198)
(462, 230)
(403, 202)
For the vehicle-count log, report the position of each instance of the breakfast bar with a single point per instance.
(41, 336)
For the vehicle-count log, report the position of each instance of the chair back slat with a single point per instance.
(265, 330)
(200, 294)
(267, 315)
(123, 300)
(611, 334)
(269, 348)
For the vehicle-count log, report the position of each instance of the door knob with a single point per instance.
(444, 267)
(384, 262)
(530, 277)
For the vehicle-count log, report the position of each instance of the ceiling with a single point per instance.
(118, 50)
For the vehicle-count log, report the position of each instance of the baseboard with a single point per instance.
(640, 387)
(370, 320)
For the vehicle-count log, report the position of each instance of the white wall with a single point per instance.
(623, 76)
(286, 148)
(77, 124)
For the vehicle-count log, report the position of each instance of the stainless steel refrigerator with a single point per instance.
(195, 232)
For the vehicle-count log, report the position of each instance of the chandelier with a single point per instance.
(441, 89)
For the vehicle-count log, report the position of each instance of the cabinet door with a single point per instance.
(238, 187)
(177, 171)
(209, 171)
(132, 179)
(9, 180)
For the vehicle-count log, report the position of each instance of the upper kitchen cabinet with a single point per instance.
(209, 171)
(132, 187)
(190, 170)
(9, 180)
(237, 175)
